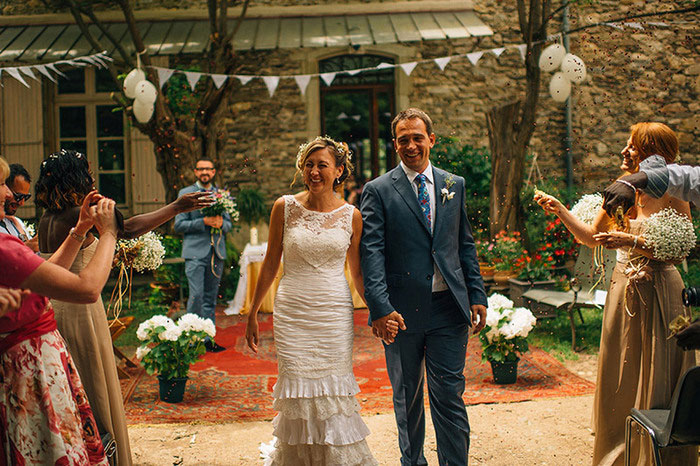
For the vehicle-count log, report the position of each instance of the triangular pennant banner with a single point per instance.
(219, 80)
(53, 68)
(409, 67)
(328, 78)
(271, 82)
(14, 72)
(522, 48)
(383, 65)
(354, 72)
(442, 62)
(192, 78)
(163, 76)
(302, 82)
(498, 51)
(474, 57)
(634, 25)
(244, 79)
(28, 71)
(42, 69)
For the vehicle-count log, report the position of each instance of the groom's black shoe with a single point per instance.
(213, 347)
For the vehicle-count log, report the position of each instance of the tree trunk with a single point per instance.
(507, 164)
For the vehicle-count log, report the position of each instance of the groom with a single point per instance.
(420, 269)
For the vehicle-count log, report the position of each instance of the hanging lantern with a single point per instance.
(559, 87)
(142, 111)
(132, 79)
(573, 68)
(146, 92)
(551, 57)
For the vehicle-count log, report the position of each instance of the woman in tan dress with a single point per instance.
(638, 366)
(64, 181)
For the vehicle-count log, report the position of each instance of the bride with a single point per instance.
(638, 366)
(318, 421)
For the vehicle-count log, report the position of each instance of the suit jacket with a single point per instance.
(197, 240)
(398, 249)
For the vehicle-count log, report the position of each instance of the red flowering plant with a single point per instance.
(559, 243)
(536, 267)
(484, 251)
(507, 250)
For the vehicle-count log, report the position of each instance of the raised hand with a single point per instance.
(193, 201)
(103, 216)
(549, 203)
(85, 220)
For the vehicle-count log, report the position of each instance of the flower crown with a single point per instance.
(340, 147)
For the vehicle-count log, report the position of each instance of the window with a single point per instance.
(88, 122)
(358, 109)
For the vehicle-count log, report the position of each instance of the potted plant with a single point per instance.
(252, 209)
(507, 249)
(504, 338)
(170, 348)
(484, 253)
(535, 271)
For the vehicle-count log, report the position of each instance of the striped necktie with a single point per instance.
(423, 197)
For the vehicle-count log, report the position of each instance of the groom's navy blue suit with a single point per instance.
(399, 254)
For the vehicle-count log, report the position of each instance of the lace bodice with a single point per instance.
(315, 242)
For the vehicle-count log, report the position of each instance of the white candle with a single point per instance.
(253, 236)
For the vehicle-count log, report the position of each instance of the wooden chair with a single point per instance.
(581, 294)
(116, 328)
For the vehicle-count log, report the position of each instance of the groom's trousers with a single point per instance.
(438, 349)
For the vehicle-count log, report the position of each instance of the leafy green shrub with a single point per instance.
(251, 205)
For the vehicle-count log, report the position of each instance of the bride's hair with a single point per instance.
(339, 150)
(652, 138)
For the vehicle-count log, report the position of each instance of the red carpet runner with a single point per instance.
(236, 384)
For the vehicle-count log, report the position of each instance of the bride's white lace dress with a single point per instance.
(318, 421)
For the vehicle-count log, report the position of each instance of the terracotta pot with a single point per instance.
(501, 277)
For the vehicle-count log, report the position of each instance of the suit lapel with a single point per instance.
(439, 179)
(403, 187)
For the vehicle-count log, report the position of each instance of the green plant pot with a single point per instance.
(505, 372)
(172, 390)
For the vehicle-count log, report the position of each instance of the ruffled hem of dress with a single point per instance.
(278, 453)
(330, 385)
(336, 430)
(316, 408)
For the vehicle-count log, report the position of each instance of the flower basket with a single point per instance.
(172, 390)
(504, 338)
(170, 348)
(506, 372)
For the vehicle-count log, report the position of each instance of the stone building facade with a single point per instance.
(645, 71)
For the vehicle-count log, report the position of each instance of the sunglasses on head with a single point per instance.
(19, 197)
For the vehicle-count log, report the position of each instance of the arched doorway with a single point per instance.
(358, 109)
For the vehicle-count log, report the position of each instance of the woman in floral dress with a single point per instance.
(45, 417)
(638, 366)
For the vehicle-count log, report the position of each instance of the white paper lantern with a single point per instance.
(146, 92)
(559, 87)
(131, 80)
(142, 111)
(551, 57)
(573, 68)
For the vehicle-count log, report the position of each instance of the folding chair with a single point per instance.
(677, 426)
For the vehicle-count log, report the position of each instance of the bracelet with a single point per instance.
(76, 236)
(627, 183)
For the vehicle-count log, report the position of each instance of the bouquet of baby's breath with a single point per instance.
(143, 253)
(170, 348)
(504, 338)
(670, 235)
(587, 208)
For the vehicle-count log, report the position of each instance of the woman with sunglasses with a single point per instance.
(19, 183)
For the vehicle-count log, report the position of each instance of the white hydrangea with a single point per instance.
(670, 234)
(505, 320)
(171, 333)
(192, 322)
(142, 351)
(587, 208)
(523, 321)
(498, 301)
(152, 323)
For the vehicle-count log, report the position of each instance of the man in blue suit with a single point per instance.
(420, 269)
(204, 251)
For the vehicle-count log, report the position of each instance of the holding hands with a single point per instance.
(388, 327)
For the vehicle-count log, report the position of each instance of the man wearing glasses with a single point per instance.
(19, 183)
(204, 250)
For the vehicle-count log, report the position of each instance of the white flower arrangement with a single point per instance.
(587, 208)
(170, 348)
(507, 327)
(670, 234)
(223, 203)
(143, 253)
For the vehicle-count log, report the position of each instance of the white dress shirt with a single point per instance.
(438, 280)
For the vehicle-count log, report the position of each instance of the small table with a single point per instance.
(250, 265)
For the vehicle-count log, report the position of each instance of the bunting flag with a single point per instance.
(353, 72)
(498, 51)
(219, 80)
(442, 62)
(328, 78)
(192, 78)
(474, 57)
(244, 79)
(46, 69)
(409, 67)
(271, 82)
(163, 75)
(303, 82)
(522, 48)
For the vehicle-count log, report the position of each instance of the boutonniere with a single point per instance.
(446, 193)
